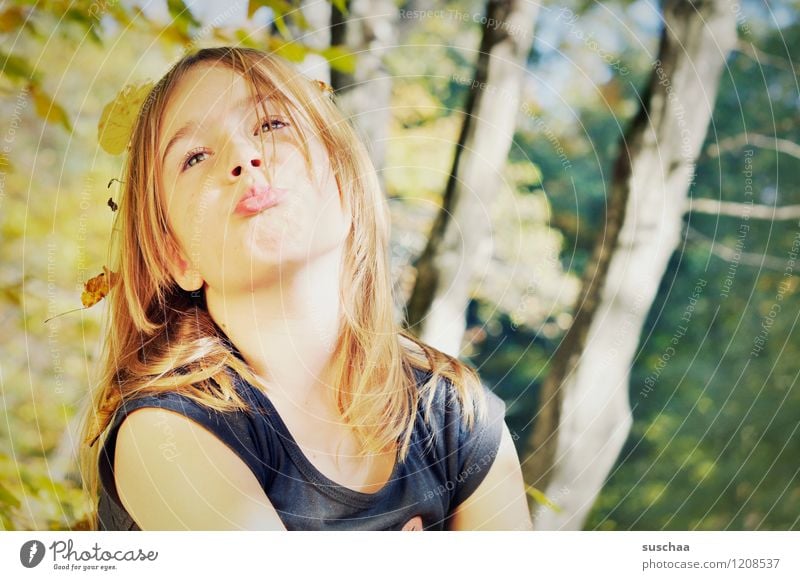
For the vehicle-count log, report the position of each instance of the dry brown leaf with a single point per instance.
(95, 289)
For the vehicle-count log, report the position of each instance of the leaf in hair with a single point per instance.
(95, 289)
(324, 87)
(116, 123)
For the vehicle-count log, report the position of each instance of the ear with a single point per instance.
(185, 274)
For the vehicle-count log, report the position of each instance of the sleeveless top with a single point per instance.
(445, 464)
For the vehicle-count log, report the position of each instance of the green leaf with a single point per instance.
(16, 67)
(85, 20)
(7, 524)
(5, 165)
(280, 24)
(48, 109)
(292, 51)
(341, 6)
(277, 7)
(340, 58)
(8, 498)
(539, 497)
(280, 9)
(179, 11)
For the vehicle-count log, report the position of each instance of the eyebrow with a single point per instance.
(183, 132)
(179, 134)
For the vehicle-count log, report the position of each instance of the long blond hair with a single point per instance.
(159, 337)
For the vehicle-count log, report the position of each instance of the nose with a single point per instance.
(240, 155)
(237, 169)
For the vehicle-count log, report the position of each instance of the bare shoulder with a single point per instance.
(172, 473)
(499, 502)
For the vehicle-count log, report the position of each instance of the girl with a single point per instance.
(254, 376)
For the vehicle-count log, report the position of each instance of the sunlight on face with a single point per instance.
(240, 212)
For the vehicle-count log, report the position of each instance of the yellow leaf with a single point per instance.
(340, 58)
(48, 109)
(11, 19)
(292, 51)
(116, 123)
(95, 289)
(324, 87)
(541, 498)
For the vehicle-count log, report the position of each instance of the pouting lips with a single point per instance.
(257, 199)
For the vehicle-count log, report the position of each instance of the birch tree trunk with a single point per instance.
(369, 30)
(317, 36)
(460, 240)
(584, 414)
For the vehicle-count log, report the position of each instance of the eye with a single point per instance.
(272, 124)
(192, 158)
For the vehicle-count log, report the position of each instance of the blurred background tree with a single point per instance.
(714, 434)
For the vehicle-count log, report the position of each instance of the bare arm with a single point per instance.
(499, 502)
(200, 484)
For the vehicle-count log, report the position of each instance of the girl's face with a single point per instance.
(234, 233)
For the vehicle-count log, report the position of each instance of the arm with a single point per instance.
(201, 484)
(499, 502)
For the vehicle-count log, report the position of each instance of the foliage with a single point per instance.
(713, 442)
(61, 71)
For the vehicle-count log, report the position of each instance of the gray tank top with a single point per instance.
(445, 464)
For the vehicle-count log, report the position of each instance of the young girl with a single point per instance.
(254, 376)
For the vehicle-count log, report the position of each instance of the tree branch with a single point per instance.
(742, 210)
(756, 140)
(751, 50)
(729, 254)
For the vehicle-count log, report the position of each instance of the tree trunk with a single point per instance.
(368, 31)
(317, 36)
(584, 415)
(460, 240)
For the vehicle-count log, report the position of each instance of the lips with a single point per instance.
(258, 198)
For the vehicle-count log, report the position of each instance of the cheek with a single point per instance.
(331, 199)
(283, 230)
(316, 204)
(201, 227)
(328, 208)
(195, 228)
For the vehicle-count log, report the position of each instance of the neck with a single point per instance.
(286, 331)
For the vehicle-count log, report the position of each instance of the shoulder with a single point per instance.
(466, 451)
(150, 427)
(450, 404)
(499, 502)
(160, 438)
(167, 426)
(163, 441)
(160, 416)
(481, 467)
(173, 473)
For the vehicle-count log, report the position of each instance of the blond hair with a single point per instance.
(159, 337)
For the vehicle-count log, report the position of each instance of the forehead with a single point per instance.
(204, 89)
(210, 92)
